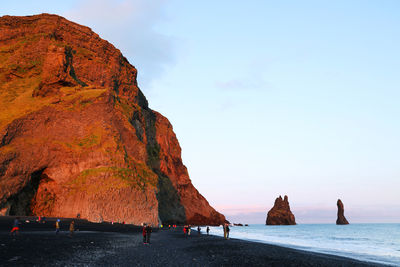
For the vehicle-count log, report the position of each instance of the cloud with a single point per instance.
(237, 84)
(130, 25)
(251, 77)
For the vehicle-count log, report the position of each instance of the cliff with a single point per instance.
(77, 135)
(280, 213)
(340, 214)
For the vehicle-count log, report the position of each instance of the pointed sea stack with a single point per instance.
(340, 214)
(78, 136)
(280, 213)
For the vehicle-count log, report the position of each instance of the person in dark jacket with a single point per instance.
(208, 230)
(148, 233)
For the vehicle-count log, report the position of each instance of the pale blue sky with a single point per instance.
(268, 97)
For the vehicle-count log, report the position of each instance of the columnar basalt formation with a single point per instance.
(77, 134)
(280, 213)
(340, 213)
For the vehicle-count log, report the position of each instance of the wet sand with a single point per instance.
(39, 246)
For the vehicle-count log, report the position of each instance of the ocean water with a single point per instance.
(379, 243)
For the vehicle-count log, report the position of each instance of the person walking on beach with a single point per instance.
(148, 233)
(71, 228)
(198, 229)
(189, 229)
(144, 233)
(185, 230)
(15, 228)
(57, 226)
(208, 230)
(227, 231)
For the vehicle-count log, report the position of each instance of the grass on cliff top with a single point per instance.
(77, 98)
(16, 99)
(20, 75)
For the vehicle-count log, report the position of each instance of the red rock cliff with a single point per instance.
(77, 135)
(280, 214)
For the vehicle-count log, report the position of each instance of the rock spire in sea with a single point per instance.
(340, 214)
(280, 214)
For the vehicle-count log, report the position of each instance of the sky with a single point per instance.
(268, 98)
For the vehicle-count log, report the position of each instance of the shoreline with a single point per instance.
(167, 248)
(341, 254)
(317, 252)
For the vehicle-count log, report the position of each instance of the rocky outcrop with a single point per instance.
(77, 135)
(280, 213)
(340, 214)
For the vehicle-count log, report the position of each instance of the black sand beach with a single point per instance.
(121, 245)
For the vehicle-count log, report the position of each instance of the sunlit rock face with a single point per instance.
(77, 134)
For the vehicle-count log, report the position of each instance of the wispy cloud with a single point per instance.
(241, 84)
(249, 77)
(131, 26)
(239, 209)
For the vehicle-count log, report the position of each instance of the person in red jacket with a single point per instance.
(15, 228)
(144, 234)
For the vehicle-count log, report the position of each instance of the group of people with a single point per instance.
(187, 229)
(71, 227)
(16, 226)
(146, 231)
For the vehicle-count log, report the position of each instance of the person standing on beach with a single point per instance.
(224, 230)
(198, 229)
(57, 226)
(208, 230)
(71, 228)
(144, 233)
(227, 231)
(148, 233)
(189, 229)
(15, 228)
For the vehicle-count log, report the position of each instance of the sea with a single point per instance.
(376, 243)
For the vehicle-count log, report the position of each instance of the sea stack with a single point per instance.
(78, 136)
(340, 214)
(280, 213)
